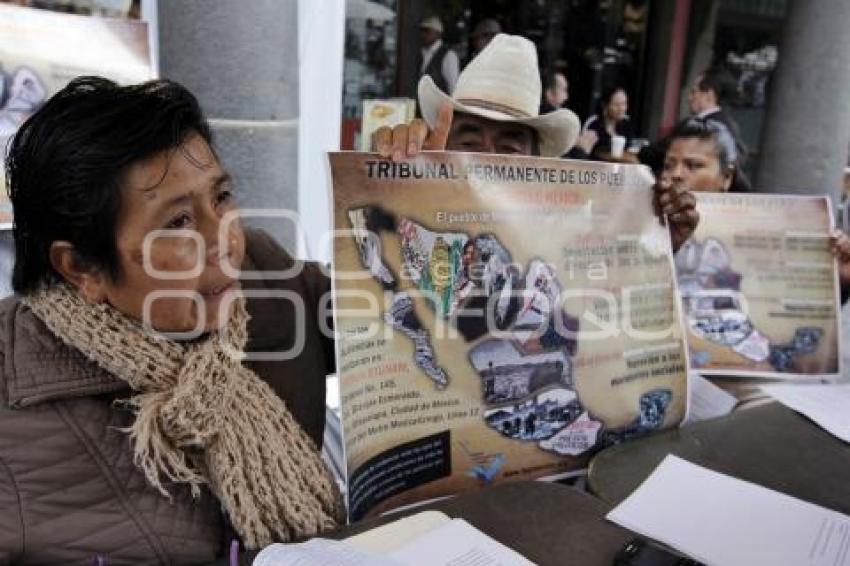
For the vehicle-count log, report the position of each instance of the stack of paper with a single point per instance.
(827, 405)
(429, 538)
(724, 521)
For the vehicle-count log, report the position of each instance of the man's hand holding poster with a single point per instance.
(758, 287)
(498, 318)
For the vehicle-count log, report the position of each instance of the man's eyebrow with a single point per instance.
(515, 133)
(466, 128)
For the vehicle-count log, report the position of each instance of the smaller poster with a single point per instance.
(759, 287)
(387, 112)
(41, 51)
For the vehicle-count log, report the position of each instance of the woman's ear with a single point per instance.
(89, 282)
(728, 176)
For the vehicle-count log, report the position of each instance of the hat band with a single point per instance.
(489, 105)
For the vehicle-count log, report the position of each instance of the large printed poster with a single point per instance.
(498, 318)
(759, 287)
(41, 51)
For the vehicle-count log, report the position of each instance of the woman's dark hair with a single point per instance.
(605, 100)
(549, 77)
(66, 164)
(707, 130)
(609, 93)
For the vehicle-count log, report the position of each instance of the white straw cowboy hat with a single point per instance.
(433, 23)
(502, 83)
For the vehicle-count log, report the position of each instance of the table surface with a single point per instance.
(770, 445)
(548, 523)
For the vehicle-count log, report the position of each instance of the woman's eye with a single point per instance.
(180, 221)
(223, 197)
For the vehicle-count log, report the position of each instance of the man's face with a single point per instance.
(558, 93)
(427, 36)
(480, 135)
(693, 164)
(700, 100)
(481, 40)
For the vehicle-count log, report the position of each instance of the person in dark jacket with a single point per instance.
(436, 59)
(611, 120)
(556, 93)
(709, 91)
(149, 401)
(712, 88)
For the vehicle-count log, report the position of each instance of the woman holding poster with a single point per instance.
(757, 278)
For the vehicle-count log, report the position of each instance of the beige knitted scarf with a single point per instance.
(204, 418)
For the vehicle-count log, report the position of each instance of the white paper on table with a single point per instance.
(706, 400)
(319, 552)
(826, 404)
(457, 543)
(723, 521)
(387, 538)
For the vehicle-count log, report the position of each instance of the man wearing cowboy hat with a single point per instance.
(495, 109)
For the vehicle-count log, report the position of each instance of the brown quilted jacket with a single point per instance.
(69, 490)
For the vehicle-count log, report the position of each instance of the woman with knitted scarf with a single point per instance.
(136, 422)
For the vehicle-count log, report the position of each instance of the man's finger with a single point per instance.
(382, 140)
(440, 134)
(400, 142)
(416, 135)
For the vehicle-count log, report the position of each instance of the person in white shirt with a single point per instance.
(436, 59)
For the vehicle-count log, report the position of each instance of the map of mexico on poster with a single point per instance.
(498, 318)
(759, 287)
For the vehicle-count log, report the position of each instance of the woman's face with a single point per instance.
(618, 106)
(171, 240)
(693, 163)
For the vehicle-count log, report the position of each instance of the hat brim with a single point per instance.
(557, 131)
